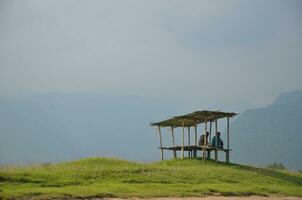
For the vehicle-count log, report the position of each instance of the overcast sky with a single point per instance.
(201, 52)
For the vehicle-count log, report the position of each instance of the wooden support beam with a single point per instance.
(216, 130)
(195, 135)
(189, 141)
(228, 141)
(183, 140)
(210, 138)
(205, 140)
(173, 142)
(161, 143)
(195, 151)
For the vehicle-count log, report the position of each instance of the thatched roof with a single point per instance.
(193, 119)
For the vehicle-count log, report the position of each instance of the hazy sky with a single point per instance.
(202, 52)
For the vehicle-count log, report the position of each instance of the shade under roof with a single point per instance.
(193, 118)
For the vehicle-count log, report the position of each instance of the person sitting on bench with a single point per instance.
(201, 141)
(219, 141)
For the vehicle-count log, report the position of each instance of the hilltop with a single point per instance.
(105, 177)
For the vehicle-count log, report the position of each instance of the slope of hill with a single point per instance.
(104, 177)
(271, 134)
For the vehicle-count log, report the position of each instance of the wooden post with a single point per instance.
(189, 142)
(173, 142)
(210, 137)
(228, 141)
(205, 139)
(183, 140)
(216, 129)
(196, 135)
(195, 150)
(161, 143)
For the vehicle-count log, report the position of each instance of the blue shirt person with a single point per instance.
(219, 141)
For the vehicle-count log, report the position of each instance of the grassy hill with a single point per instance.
(104, 177)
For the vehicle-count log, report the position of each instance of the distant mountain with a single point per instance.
(289, 98)
(61, 127)
(29, 134)
(271, 134)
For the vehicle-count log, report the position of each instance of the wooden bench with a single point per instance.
(193, 149)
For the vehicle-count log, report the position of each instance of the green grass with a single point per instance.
(104, 177)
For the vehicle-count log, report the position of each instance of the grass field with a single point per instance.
(104, 177)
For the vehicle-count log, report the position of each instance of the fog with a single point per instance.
(234, 54)
(85, 78)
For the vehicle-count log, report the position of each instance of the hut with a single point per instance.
(192, 120)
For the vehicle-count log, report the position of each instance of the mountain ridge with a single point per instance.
(270, 134)
(63, 127)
